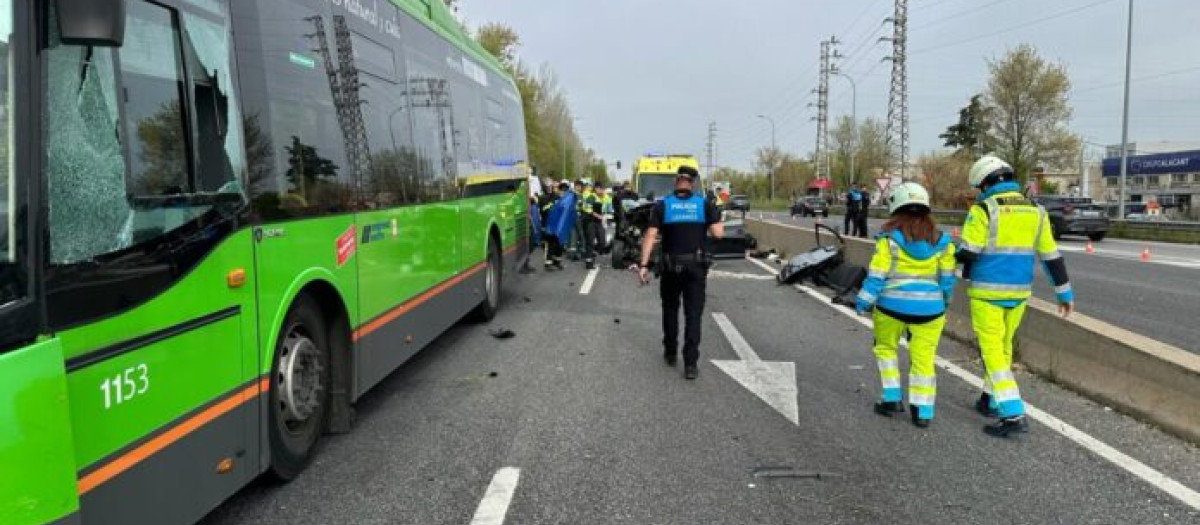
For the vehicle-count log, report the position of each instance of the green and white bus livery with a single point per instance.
(221, 222)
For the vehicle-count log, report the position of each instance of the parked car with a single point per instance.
(810, 207)
(1074, 216)
(738, 203)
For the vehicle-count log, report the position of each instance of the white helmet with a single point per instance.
(987, 166)
(908, 194)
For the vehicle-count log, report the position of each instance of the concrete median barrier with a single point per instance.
(1147, 379)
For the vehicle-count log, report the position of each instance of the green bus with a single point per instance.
(223, 221)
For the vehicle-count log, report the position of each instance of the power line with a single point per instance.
(960, 14)
(1055, 16)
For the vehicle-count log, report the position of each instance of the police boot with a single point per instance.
(984, 406)
(691, 372)
(1007, 426)
(887, 408)
(590, 265)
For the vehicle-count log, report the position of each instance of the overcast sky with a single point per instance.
(647, 75)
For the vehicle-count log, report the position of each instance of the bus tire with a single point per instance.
(493, 279)
(298, 399)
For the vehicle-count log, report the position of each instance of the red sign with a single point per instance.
(345, 246)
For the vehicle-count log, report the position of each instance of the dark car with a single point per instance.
(810, 207)
(738, 203)
(1075, 216)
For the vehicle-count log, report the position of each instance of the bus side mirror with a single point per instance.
(99, 23)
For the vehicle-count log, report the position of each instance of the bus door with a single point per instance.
(148, 273)
(37, 480)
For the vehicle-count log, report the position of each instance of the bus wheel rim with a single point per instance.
(300, 379)
(489, 283)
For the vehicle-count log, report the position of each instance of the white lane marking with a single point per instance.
(773, 382)
(739, 276)
(494, 507)
(1137, 468)
(589, 281)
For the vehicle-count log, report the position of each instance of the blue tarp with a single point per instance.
(561, 219)
(1159, 164)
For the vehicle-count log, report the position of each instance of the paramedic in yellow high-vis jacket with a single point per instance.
(1004, 236)
(910, 281)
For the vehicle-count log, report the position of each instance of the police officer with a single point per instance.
(1002, 239)
(864, 211)
(853, 200)
(684, 218)
(591, 221)
(575, 244)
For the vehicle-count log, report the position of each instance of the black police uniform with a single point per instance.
(683, 221)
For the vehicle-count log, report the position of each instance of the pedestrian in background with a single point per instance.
(1003, 237)
(685, 218)
(910, 283)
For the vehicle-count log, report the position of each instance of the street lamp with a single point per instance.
(1125, 119)
(774, 152)
(854, 117)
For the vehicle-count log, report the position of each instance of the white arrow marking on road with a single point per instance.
(1131, 465)
(772, 381)
(494, 507)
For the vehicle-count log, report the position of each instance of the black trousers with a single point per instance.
(848, 225)
(689, 286)
(860, 224)
(554, 250)
(593, 235)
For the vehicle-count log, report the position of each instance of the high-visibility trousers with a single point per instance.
(995, 328)
(922, 350)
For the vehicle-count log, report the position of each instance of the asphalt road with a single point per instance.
(601, 431)
(1159, 299)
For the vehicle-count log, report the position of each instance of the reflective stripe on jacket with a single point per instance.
(909, 278)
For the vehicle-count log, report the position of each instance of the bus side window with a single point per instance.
(218, 125)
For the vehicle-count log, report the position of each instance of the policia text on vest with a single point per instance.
(684, 219)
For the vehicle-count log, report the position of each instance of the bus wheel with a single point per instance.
(492, 278)
(299, 396)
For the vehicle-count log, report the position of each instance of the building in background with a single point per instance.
(1158, 177)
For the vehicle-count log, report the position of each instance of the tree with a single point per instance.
(970, 135)
(1027, 98)
(945, 178)
(501, 41)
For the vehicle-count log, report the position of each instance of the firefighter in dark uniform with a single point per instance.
(685, 219)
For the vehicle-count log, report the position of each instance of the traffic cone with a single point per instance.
(1090, 249)
(1146, 254)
